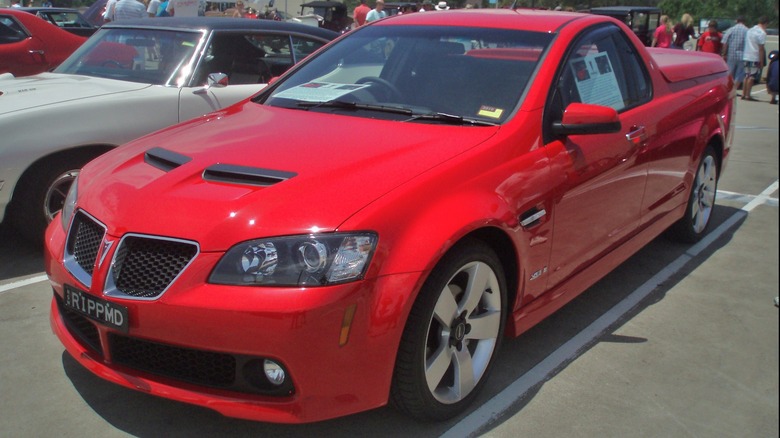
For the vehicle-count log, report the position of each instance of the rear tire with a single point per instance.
(701, 202)
(452, 335)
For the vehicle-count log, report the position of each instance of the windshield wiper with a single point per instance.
(434, 116)
(342, 104)
(451, 119)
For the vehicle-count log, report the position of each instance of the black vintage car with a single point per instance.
(67, 19)
(643, 20)
(334, 14)
(394, 8)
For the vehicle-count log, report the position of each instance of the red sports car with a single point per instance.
(369, 228)
(30, 45)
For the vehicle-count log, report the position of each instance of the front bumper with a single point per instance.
(176, 340)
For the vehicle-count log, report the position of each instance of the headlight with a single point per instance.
(311, 260)
(70, 204)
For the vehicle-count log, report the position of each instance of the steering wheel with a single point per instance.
(390, 89)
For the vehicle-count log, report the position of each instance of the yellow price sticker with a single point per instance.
(489, 111)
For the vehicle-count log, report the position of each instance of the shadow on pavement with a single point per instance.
(18, 257)
(601, 297)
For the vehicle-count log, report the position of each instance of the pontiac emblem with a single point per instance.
(105, 247)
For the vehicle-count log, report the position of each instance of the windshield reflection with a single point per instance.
(148, 56)
(472, 74)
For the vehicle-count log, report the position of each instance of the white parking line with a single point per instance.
(762, 197)
(21, 283)
(567, 352)
(746, 199)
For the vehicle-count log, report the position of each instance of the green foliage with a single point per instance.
(750, 9)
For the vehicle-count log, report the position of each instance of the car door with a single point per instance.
(21, 52)
(249, 59)
(604, 175)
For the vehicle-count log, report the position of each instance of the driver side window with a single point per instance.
(11, 31)
(242, 57)
(602, 68)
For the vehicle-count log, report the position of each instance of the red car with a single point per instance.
(368, 228)
(30, 45)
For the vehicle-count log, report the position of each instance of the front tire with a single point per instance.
(701, 202)
(42, 192)
(452, 335)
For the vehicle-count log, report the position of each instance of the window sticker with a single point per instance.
(490, 111)
(320, 91)
(596, 81)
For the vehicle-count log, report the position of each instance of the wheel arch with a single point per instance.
(85, 151)
(500, 242)
(507, 253)
(714, 132)
(717, 142)
(495, 237)
(31, 189)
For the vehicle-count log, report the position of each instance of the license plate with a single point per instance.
(97, 309)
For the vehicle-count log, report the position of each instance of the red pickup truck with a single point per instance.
(370, 227)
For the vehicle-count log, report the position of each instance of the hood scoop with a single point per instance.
(165, 160)
(229, 173)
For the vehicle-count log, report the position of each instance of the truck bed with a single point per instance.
(679, 65)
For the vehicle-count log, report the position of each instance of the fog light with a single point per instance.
(274, 372)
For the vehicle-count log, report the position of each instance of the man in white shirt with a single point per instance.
(128, 9)
(154, 5)
(186, 8)
(754, 55)
(376, 13)
(108, 13)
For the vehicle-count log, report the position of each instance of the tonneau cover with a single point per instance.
(678, 65)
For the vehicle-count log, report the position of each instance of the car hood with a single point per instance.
(30, 92)
(186, 181)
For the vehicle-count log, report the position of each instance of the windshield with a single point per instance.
(64, 19)
(475, 74)
(148, 56)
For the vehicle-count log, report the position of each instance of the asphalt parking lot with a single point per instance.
(678, 341)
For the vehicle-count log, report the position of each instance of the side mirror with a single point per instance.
(584, 119)
(213, 80)
(217, 80)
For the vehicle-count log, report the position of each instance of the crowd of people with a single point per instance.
(126, 9)
(364, 14)
(741, 47)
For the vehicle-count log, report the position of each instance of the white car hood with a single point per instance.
(52, 88)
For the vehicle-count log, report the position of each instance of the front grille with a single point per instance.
(82, 246)
(200, 367)
(145, 266)
(79, 326)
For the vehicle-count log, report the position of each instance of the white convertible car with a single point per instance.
(130, 79)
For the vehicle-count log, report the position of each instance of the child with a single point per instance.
(710, 41)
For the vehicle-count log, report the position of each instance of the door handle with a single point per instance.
(36, 52)
(637, 136)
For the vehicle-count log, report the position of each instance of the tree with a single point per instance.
(750, 9)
